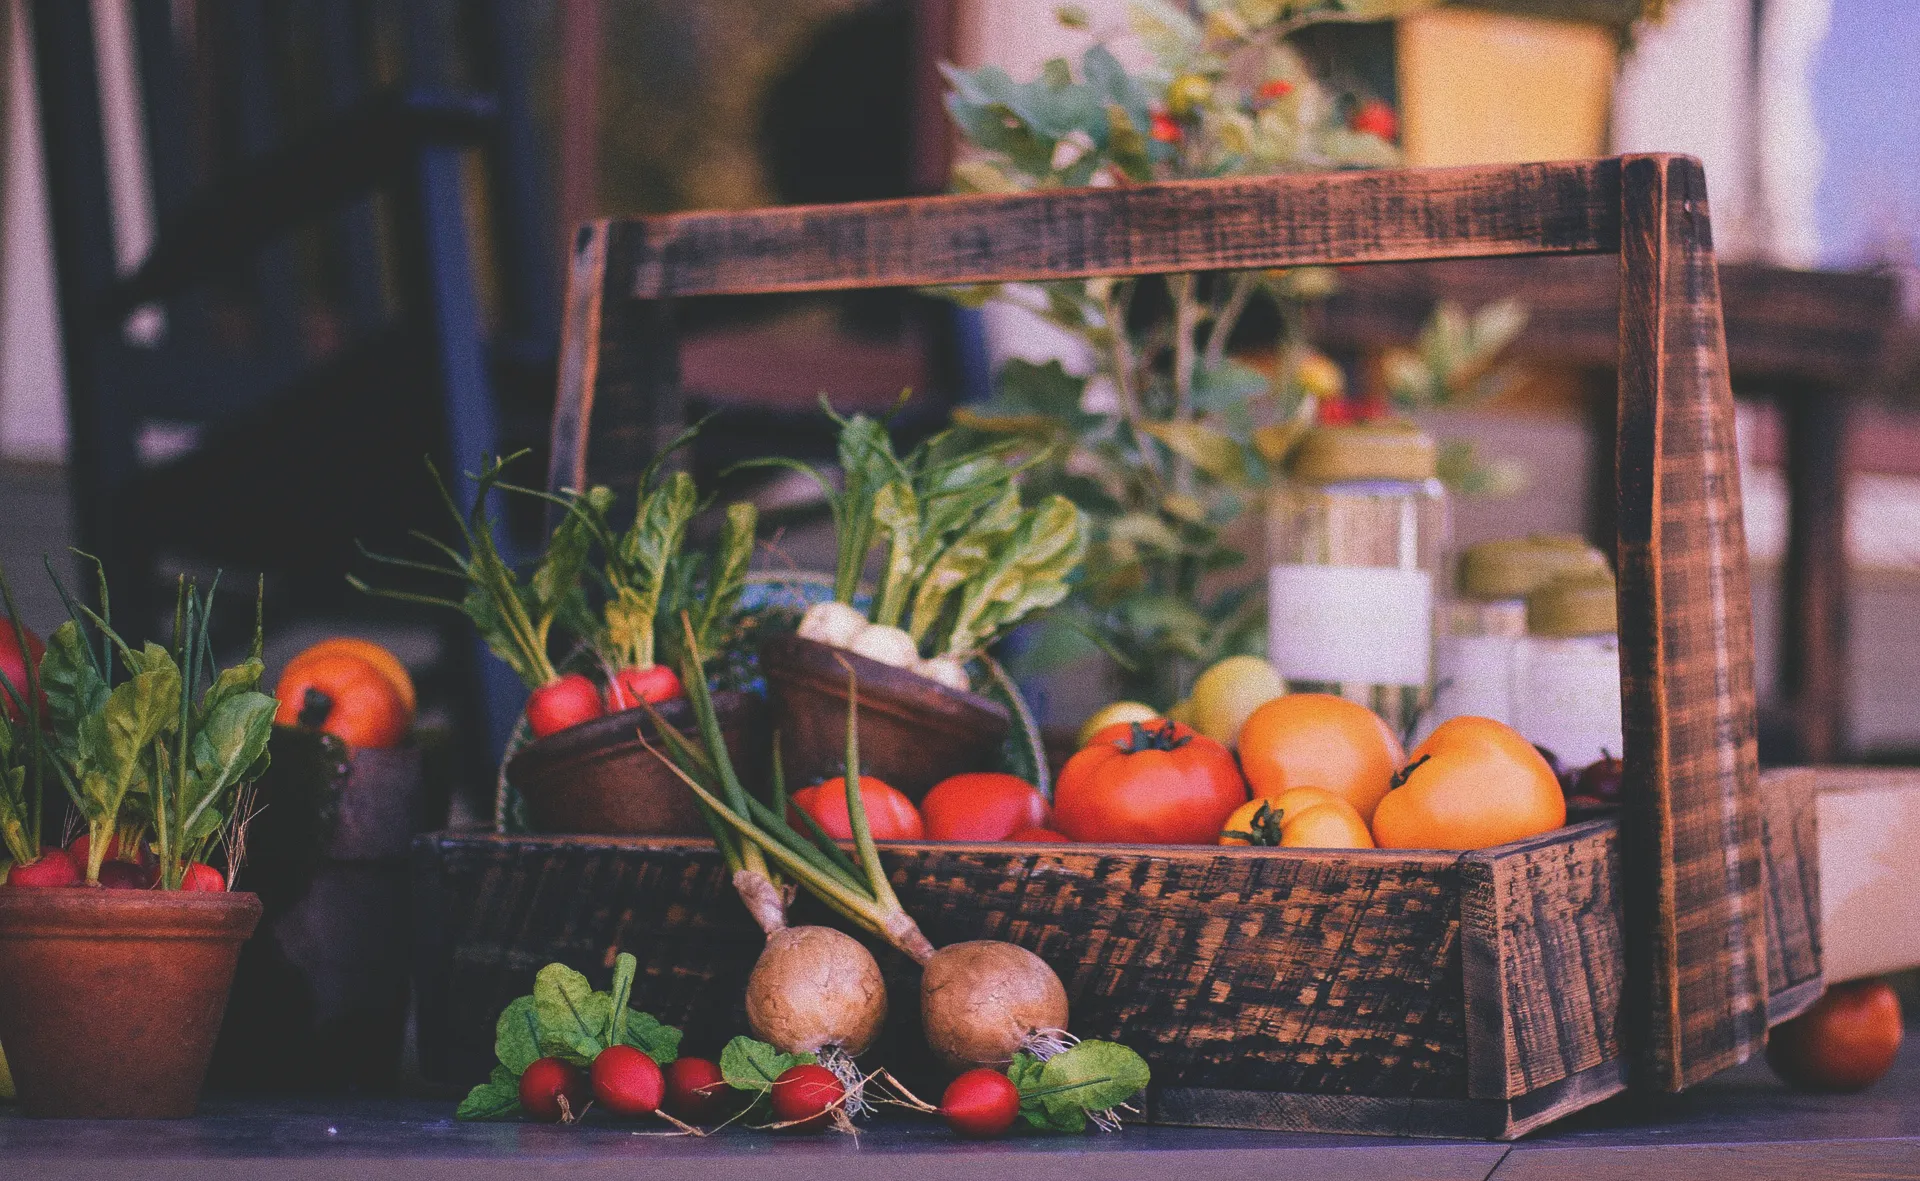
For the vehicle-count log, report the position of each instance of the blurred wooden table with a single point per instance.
(1742, 1125)
(1804, 340)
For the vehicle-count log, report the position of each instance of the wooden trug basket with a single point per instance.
(1477, 994)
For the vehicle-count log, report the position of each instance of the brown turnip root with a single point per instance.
(815, 988)
(983, 1000)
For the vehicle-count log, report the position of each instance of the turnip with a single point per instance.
(982, 1000)
(813, 989)
(832, 622)
(945, 670)
(888, 645)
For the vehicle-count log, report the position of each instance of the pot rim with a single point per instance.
(83, 912)
(896, 692)
(606, 736)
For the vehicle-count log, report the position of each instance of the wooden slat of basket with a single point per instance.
(1789, 812)
(1697, 954)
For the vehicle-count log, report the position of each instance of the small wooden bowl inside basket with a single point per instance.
(597, 777)
(913, 732)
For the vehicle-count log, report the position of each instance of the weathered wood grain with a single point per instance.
(1790, 818)
(1690, 828)
(1541, 948)
(1236, 223)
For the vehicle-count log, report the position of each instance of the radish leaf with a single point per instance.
(497, 1098)
(749, 1065)
(516, 1036)
(572, 1016)
(1093, 1076)
(645, 1033)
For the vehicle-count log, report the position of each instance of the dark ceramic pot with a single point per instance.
(110, 999)
(913, 732)
(597, 777)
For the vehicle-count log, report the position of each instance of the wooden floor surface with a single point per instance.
(1741, 1125)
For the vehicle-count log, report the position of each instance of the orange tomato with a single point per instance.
(345, 695)
(1473, 783)
(1319, 740)
(1310, 819)
(1148, 783)
(1845, 1042)
(388, 664)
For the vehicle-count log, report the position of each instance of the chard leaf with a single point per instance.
(732, 556)
(516, 1036)
(750, 1065)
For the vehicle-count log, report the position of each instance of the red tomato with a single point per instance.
(1038, 836)
(1376, 118)
(631, 686)
(891, 816)
(1151, 783)
(982, 806)
(346, 695)
(1165, 129)
(558, 704)
(15, 668)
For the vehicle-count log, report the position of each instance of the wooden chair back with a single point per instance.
(1690, 824)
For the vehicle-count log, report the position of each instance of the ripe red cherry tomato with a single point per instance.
(982, 806)
(553, 1090)
(981, 1104)
(1154, 783)
(1845, 1042)
(627, 1082)
(696, 1090)
(632, 686)
(891, 816)
(806, 1093)
(563, 702)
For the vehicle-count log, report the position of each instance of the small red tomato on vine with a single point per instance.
(1273, 89)
(1376, 118)
(1165, 129)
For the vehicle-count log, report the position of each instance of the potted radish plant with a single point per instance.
(594, 595)
(962, 561)
(133, 953)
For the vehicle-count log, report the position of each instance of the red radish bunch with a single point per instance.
(627, 1082)
(634, 687)
(55, 867)
(696, 1090)
(562, 702)
(804, 1097)
(553, 1091)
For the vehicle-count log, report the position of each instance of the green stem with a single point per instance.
(1186, 316)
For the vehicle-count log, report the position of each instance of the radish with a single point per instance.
(55, 867)
(696, 1090)
(202, 878)
(631, 687)
(804, 1097)
(981, 1104)
(627, 1082)
(833, 623)
(562, 702)
(553, 1091)
(980, 1001)
(888, 645)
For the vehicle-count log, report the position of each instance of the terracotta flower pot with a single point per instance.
(913, 732)
(110, 999)
(598, 778)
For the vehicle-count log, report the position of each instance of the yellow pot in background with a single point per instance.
(1492, 88)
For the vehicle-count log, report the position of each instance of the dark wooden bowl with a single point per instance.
(913, 732)
(597, 777)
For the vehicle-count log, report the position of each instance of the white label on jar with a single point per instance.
(1473, 677)
(1353, 624)
(1566, 697)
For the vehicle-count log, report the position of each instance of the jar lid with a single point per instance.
(1370, 451)
(1578, 604)
(1513, 567)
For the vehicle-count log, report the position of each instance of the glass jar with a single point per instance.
(1476, 656)
(1354, 538)
(1566, 694)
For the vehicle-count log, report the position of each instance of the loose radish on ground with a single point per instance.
(696, 1090)
(627, 1082)
(553, 1091)
(981, 1104)
(805, 1097)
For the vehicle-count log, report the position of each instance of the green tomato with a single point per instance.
(1231, 690)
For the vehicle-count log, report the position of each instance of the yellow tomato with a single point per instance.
(1226, 694)
(1119, 711)
(1308, 819)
